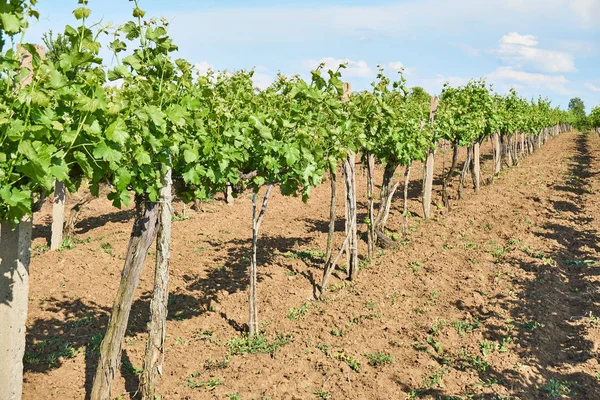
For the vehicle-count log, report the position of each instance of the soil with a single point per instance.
(497, 299)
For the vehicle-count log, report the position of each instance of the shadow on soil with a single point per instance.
(548, 313)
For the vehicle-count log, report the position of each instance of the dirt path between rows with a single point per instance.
(496, 300)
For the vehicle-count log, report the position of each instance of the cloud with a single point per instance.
(588, 11)
(592, 87)
(356, 69)
(520, 51)
(435, 85)
(203, 67)
(262, 80)
(398, 66)
(513, 38)
(554, 83)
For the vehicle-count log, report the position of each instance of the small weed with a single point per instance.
(470, 246)
(415, 267)
(503, 345)
(234, 396)
(435, 344)
(297, 313)
(464, 327)
(322, 395)
(337, 332)
(210, 365)
(487, 347)
(94, 343)
(437, 326)
(380, 359)
(132, 369)
(259, 344)
(532, 325)
(67, 244)
(352, 362)
(179, 341)
(497, 251)
(363, 264)
(555, 388)
(324, 347)
(477, 363)
(369, 305)
(178, 217)
(210, 384)
(434, 378)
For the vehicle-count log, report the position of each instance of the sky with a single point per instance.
(540, 47)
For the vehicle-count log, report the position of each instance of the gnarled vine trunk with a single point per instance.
(351, 217)
(405, 203)
(428, 182)
(449, 176)
(142, 236)
(332, 213)
(476, 171)
(465, 171)
(155, 346)
(370, 204)
(252, 292)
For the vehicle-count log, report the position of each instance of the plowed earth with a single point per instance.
(496, 299)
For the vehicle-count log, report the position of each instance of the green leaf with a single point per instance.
(190, 156)
(133, 61)
(119, 72)
(82, 12)
(142, 157)
(82, 161)
(117, 132)
(10, 23)
(107, 153)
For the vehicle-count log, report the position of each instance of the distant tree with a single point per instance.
(56, 45)
(577, 108)
(418, 92)
(594, 118)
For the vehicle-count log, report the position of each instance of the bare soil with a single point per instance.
(497, 299)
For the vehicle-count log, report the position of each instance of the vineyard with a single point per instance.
(302, 241)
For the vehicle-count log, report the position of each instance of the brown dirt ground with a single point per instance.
(514, 268)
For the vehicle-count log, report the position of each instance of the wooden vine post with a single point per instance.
(476, 172)
(351, 211)
(58, 215)
(15, 245)
(429, 164)
(15, 254)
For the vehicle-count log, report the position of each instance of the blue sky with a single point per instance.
(540, 47)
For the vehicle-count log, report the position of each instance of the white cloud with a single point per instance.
(357, 69)
(396, 66)
(554, 83)
(513, 38)
(592, 87)
(588, 11)
(520, 51)
(262, 80)
(203, 67)
(435, 85)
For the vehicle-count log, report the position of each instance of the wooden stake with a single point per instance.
(15, 249)
(58, 215)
